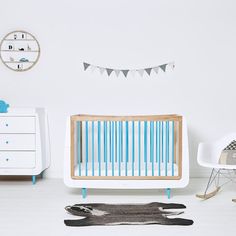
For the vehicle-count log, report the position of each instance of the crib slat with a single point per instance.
(104, 141)
(112, 148)
(93, 148)
(116, 141)
(127, 147)
(173, 147)
(110, 139)
(86, 148)
(145, 146)
(122, 141)
(158, 147)
(133, 148)
(167, 148)
(139, 148)
(157, 141)
(120, 146)
(105, 146)
(152, 146)
(167, 141)
(99, 148)
(162, 142)
(120, 149)
(79, 147)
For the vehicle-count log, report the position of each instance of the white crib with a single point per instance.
(126, 152)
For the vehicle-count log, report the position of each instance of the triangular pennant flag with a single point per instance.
(109, 71)
(172, 65)
(92, 68)
(117, 72)
(156, 69)
(86, 65)
(148, 70)
(101, 70)
(141, 72)
(133, 72)
(125, 72)
(163, 67)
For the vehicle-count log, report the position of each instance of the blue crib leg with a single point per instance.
(168, 192)
(84, 192)
(33, 179)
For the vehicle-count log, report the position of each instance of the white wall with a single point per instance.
(198, 35)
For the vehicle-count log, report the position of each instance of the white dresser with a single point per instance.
(24, 142)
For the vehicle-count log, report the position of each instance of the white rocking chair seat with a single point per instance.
(208, 156)
(209, 153)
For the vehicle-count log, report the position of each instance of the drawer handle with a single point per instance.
(7, 142)
(7, 125)
(7, 159)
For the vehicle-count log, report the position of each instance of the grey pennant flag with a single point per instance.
(148, 70)
(125, 72)
(163, 67)
(109, 71)
(86, 65)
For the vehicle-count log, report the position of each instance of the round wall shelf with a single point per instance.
(19, 50)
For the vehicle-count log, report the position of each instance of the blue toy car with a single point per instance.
(3, 106)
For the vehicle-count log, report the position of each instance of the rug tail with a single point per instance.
(77, 223)
(181, 221)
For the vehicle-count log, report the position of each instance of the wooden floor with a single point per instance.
(39, 210)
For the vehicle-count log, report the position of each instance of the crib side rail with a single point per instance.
(126, 147)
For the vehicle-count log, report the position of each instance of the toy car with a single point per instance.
(23, 60)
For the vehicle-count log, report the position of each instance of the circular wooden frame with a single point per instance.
(19, 51)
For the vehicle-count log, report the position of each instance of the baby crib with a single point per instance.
(138, 152)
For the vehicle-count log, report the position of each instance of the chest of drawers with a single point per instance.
(24, 142)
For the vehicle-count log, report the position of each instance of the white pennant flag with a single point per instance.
(156, 69)
(92, 68)
(101, 70)
(133, 72)
(171, 65)
(141, 72)
(117, 72)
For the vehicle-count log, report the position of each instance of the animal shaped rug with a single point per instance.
(126, 214)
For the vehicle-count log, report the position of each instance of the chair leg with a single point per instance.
(209, 181)
(212, 177)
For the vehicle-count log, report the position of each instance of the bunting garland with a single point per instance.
(126, 72)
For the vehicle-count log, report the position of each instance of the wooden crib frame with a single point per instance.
(180, 152)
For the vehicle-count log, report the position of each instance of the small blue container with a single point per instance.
(3, 106)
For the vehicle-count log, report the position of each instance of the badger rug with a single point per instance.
(126, 214)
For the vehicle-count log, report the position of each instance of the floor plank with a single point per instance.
(39, 210)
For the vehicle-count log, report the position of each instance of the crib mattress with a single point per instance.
(165, 169)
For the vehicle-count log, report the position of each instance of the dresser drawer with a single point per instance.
(17, 124)
(15, 142)
(23, 160)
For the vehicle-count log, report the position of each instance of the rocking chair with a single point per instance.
(209, 156)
